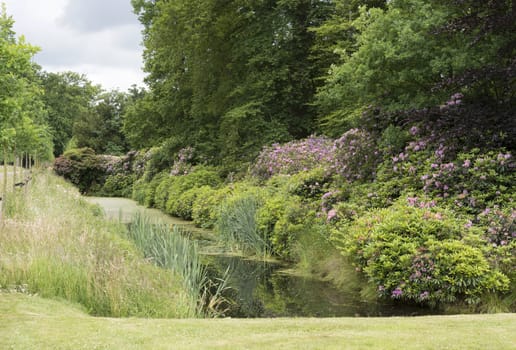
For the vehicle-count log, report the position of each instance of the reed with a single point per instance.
(237, 226)
(170, 248)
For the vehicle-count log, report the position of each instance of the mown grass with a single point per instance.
(55, 244)
(29, 322)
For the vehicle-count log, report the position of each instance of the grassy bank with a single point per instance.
(28, 322)
(55, 244)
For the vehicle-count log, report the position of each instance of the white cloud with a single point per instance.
(85, 36)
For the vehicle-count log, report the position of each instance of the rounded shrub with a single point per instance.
(206, 206)
(118, 185)
(200, 176)
(417, 252)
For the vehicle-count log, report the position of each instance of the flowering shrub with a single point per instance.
(294, 157)
(82, 167)
(415, 251)
(473, 181)
(182, 165)
(355, 155)
(500, 233)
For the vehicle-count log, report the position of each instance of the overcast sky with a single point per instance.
(98, 38)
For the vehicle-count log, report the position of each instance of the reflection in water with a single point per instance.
(260, 289)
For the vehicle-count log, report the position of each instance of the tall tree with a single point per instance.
(100, 127)
(229, 76)
(20, 108)
(407, 53)
(67, 96)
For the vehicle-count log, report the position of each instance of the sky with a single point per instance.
(98, 38)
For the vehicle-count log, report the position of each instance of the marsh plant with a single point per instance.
(237, 225)
(170, 248)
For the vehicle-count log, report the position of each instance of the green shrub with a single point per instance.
(139, 190)
(150, 189)
(393, 140)
(161, 194)
(297, 220)
(420, 253)
(183, 206)
(200, 176)
(118, 185)
(206, 206)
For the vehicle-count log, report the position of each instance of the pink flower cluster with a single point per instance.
(182, 165)
(295, 156)
(353, 156)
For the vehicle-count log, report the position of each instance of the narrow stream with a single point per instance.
(264, 288)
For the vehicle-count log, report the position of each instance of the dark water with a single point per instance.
(266, 289)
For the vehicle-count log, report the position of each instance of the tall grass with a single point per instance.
(237, 225)
(55, 244)
(172, 249)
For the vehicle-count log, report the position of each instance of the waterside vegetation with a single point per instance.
(57, 245)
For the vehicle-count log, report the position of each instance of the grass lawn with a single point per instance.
(29, 322)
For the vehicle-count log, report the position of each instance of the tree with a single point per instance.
(67, 96)
(20, 106)
(216, 67)
(100, 127)
(405, 56)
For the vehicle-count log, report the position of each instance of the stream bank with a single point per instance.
(265, 288)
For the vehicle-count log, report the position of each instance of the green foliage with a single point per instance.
(67, 96)
(236, 224)
(205, 209)
(99, 127)
(118, 185)
(295, 221)
(139, 189)
(393, 140)
(161, 195)
(402, 53)
(200, 176)
(22, 113)
(421, 254)
(248, 80)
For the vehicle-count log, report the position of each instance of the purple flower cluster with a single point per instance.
(455, 100)
(353, 156)
(416, 202)
(110, 164)
(501, 228)
(422, 268)
(470, 180)
(329, 199)
(182, 165)
(356, 155)
(295, 156)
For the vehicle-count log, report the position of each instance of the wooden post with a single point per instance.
(15, 161)
(4, 187)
